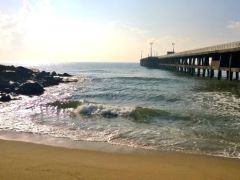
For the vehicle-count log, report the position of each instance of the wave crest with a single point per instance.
(137, 114)
(141, 114)
(107, 111)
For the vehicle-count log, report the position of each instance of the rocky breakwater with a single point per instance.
(20, 80)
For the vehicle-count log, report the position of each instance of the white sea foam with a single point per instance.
(108, 111)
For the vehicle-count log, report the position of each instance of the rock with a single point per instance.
(30, 88)
(5, 97)
(4, 84)
(8, 86)
(49, 81)
(2, 68)
(24, 73)
(54, 73)
(21, 80)
(7, 68)
(14, 85)
(65, 75)
(43, 74)
(9, 75)
(20, 74)
(24, 70)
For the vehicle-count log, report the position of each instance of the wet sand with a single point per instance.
(19, 160)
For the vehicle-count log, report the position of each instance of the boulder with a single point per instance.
(54, 73)
(8, 86)
(43, 74)
(49, 81)
(2, 68)
(18, 76)
(24, 74)
(5, 97)
(14, 85)
(7, 68)
(4, 84)
(30, 88)
(65, 75)
(9, 75)
(24, 70)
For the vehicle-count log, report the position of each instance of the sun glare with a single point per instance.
(41, 35)
(53, 35)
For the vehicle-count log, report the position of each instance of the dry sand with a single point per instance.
(20, 160)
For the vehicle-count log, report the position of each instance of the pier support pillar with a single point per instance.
(192, 68)
(181, 63)
(212, 73)
(193, 71)
(228, 74)
(237, 75)
(198, 72)
(219, 75)
(231, 76)
(204, 72)
(199, 63)
(190, 64)
(207, 61)
(230, 71)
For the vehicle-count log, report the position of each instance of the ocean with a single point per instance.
(126, 104)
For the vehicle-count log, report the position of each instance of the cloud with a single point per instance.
(9, 30)
(234, 25)
(13, 27)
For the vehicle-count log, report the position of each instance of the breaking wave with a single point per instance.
(137, 114)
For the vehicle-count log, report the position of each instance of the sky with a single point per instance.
(46, 31)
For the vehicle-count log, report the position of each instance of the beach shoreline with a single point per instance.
(99, 146)
(22, 160)
(61, 142)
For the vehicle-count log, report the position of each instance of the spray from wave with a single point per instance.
(90, 109)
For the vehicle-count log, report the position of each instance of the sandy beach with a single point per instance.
(21, 160)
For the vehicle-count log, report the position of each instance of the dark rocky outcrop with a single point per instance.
(65, 75)
(46, 81)
(21, 80)
(4, 84)
(54, 73)
(30, 88)
(5, 97)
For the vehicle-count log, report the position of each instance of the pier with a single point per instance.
(215, 61)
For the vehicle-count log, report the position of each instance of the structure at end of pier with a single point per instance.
(214, 61)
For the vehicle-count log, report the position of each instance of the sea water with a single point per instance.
(126, 104)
